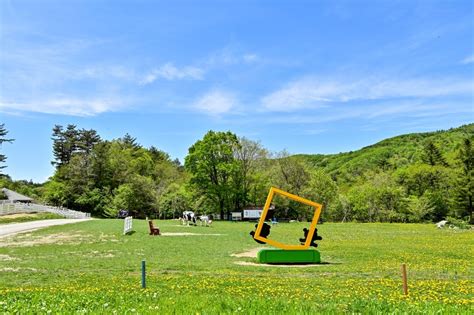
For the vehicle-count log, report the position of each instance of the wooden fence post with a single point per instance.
(404, 278)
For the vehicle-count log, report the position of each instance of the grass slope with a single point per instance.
(26, 217)
(393, 152)
(91, 267)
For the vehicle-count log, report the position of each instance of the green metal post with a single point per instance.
(143, 275)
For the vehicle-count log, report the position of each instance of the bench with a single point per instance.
(153, 230)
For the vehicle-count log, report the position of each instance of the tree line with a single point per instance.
(223, 173)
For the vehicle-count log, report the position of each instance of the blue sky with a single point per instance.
(305, 76)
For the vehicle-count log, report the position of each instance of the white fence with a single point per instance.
(127, 225)
(8, 207)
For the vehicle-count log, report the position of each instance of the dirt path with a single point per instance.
(15, 228)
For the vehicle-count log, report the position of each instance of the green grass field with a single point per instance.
(90, 267)
(26, 217)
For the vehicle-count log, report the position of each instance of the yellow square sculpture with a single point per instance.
(317, 211)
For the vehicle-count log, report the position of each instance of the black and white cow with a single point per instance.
(205, 220)
(189, 217)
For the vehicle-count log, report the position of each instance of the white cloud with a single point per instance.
(391, 110)
(317, 93)
(312, 132)
(105, 72)
(223, 57)
(249, 58)
(216, 103)
(301, 94)
(169, 72)
(468, 59)
(229, 56)
(63, 106)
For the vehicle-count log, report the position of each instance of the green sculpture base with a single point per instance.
(281, 256)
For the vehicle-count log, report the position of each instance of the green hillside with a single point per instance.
(417, 177)
(390, 154)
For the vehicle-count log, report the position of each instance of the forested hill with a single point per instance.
(416, 177)
(390, 154)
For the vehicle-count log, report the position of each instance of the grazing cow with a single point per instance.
(189, 216)
(441, 224)
(205, 219)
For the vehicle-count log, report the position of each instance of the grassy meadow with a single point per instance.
(26, 217)
(90, 267)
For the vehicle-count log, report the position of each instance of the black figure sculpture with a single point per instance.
(263, 233)
(316, 237)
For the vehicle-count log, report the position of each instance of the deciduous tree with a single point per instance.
(212, 164)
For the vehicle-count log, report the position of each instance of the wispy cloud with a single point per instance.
(250, 58)
(216, 102)
(57, 77)
(229, 56)
(468, 59)
(390, 110)
(316, 93)
(297, 95)
(54, 76)
(105, 72)
(63, 106)
(312, 132)
(170, 72)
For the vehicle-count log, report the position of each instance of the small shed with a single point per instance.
(254, 213)
(13, 196)
(236, 216)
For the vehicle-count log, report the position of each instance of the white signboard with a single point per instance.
(127, 225)
(252, 214)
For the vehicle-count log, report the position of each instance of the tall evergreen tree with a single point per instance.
(158, 155)
(3, 133)
(65, 143)
(87, 139)
(465, 187)
(432, 155)
(130, 142)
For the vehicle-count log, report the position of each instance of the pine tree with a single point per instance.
(157, 155)
(432, 156)
(65, 143)
(130, 142)
(87, 139)
(465, 185)
(3, 133)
